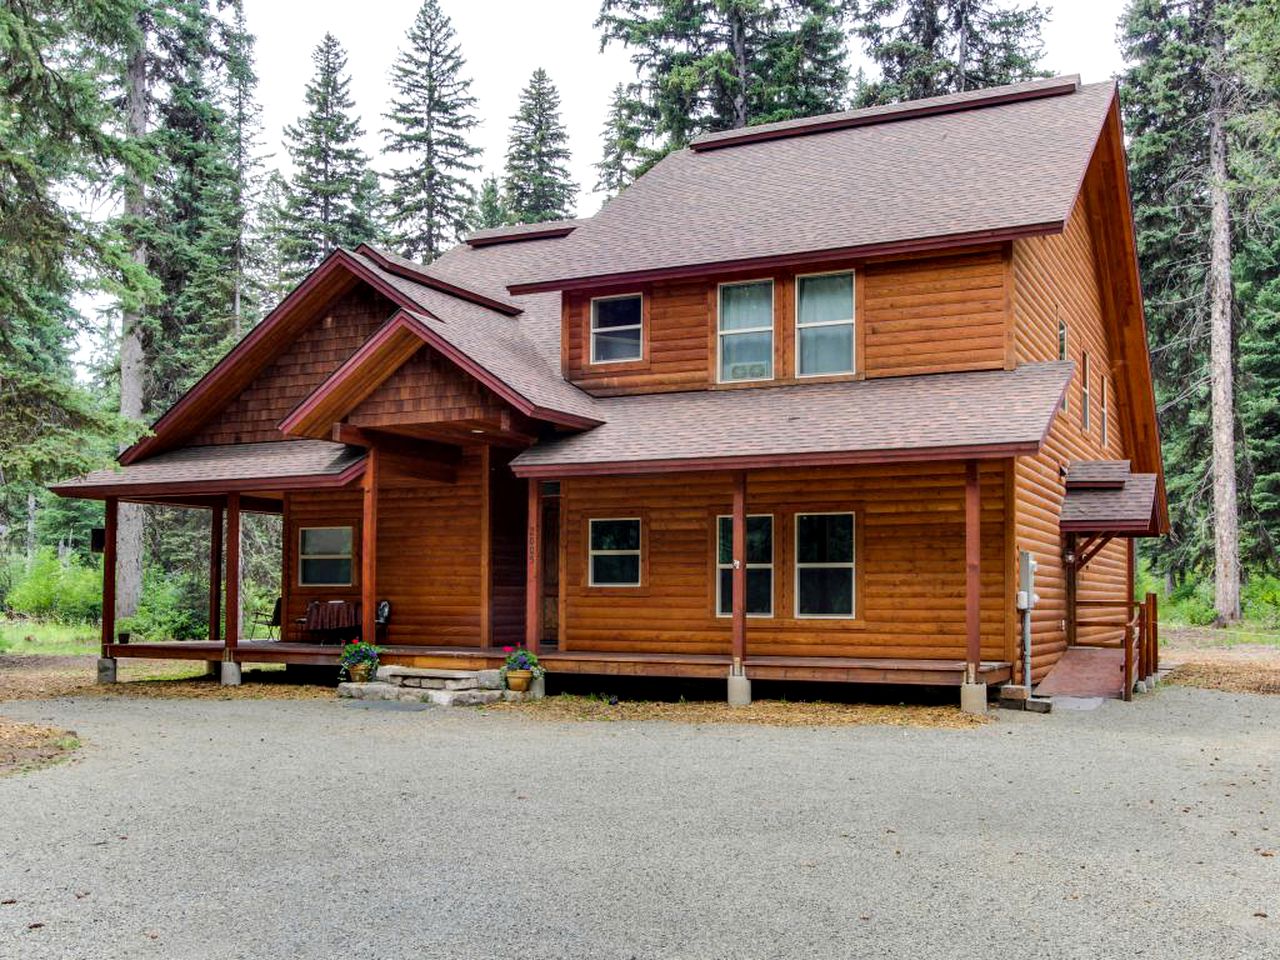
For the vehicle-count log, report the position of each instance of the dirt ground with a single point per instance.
(25, 746)
(1198, 657)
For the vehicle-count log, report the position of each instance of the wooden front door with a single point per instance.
(550, 570)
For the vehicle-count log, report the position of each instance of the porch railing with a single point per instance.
(1140, 638)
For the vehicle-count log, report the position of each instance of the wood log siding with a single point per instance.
(910, 574)
(1056, 277)
(316, 353)
(922, 315)
(429, 556)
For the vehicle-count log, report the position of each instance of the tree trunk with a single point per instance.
(132, 359)
(1226, 559)
(739, 39)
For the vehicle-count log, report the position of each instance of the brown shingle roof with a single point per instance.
(937, 416)
(1097, 473)
(1001, 170)
(519, 232)
(1128, 510)
(225, 468)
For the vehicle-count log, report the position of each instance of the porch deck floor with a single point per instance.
(934, 672)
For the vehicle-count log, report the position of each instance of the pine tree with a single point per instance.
(333, 197)
(431, 115)
(537, 185)
(622, 153)
(489, 211)
(719, 64)
(925, 48)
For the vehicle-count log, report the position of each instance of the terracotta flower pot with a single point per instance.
(519, 680)
(359, 672)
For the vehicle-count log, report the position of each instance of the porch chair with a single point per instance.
(381, 619)
(272, 622)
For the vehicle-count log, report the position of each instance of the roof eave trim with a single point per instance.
(940, 244)
(1066, 85)
(235, 485)
(990, 451)
(435, 283)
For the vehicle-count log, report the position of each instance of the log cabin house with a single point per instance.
(789, 407)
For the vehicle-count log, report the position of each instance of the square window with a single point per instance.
(617, 327)
(324, 556)
(614, 553)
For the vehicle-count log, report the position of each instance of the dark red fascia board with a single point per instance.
(868, 119)
(195, 487)
(891, 248)
(435, 283)
(988, 451)
(1148, 528)
(550, 232)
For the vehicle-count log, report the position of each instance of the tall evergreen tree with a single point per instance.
(925, 48)
(432, 112)
(719, 64)
(489, 211)
(622, 150)
(537, 185)
(333, 196)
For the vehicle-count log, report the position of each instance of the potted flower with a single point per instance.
(521, 668)
(359, 660)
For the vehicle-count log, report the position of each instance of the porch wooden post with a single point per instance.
(215, 574)
(232, 610)
(972, 570)
(1072, 571)
(109, 574)
(739, 570)
(369, 551)
(533, 570)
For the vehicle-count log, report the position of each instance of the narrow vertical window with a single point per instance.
(746, 331)
(1062, 353)
(324, 557)
(824, 324)
(617, 328)
(1084, 392)
(1103, 387)
(759, 566)
(824, 565)
(614, 552)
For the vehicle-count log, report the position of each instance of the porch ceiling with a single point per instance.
(228, 468)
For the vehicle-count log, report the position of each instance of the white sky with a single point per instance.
(505, 40)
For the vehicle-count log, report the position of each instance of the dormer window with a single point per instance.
(617, 328)
(746, 331)
(824, 324)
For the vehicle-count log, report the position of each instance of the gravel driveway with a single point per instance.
(193, 829)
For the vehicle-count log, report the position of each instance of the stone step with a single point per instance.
(431, 679)
(376, 690)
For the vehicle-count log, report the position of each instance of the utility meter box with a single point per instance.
(1027, 598)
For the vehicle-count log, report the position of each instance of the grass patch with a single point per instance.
(771, 713)
(1228, 677)
(28, 746)
(47, 637)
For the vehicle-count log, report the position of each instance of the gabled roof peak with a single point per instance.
(907, 110)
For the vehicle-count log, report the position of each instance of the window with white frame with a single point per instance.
(324, 556)
(759, 566)
(824, 324)
(1103, 388)
(824, 565)
(746, 331)
(614, 552)
(1084, 393)
(617, 328)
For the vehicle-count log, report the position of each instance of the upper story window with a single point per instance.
(1062, 353)
(614, 552)
(1103, 387)
(746, 331)
(617, 328)
(1084, 393)
(759, 599)
(324, 557)
(824, 324)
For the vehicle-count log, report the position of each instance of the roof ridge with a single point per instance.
(889, 113)
(420, 273)
(517, 232)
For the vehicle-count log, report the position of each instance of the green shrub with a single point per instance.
(68, 591)
(1261, 600)
(172, 607)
